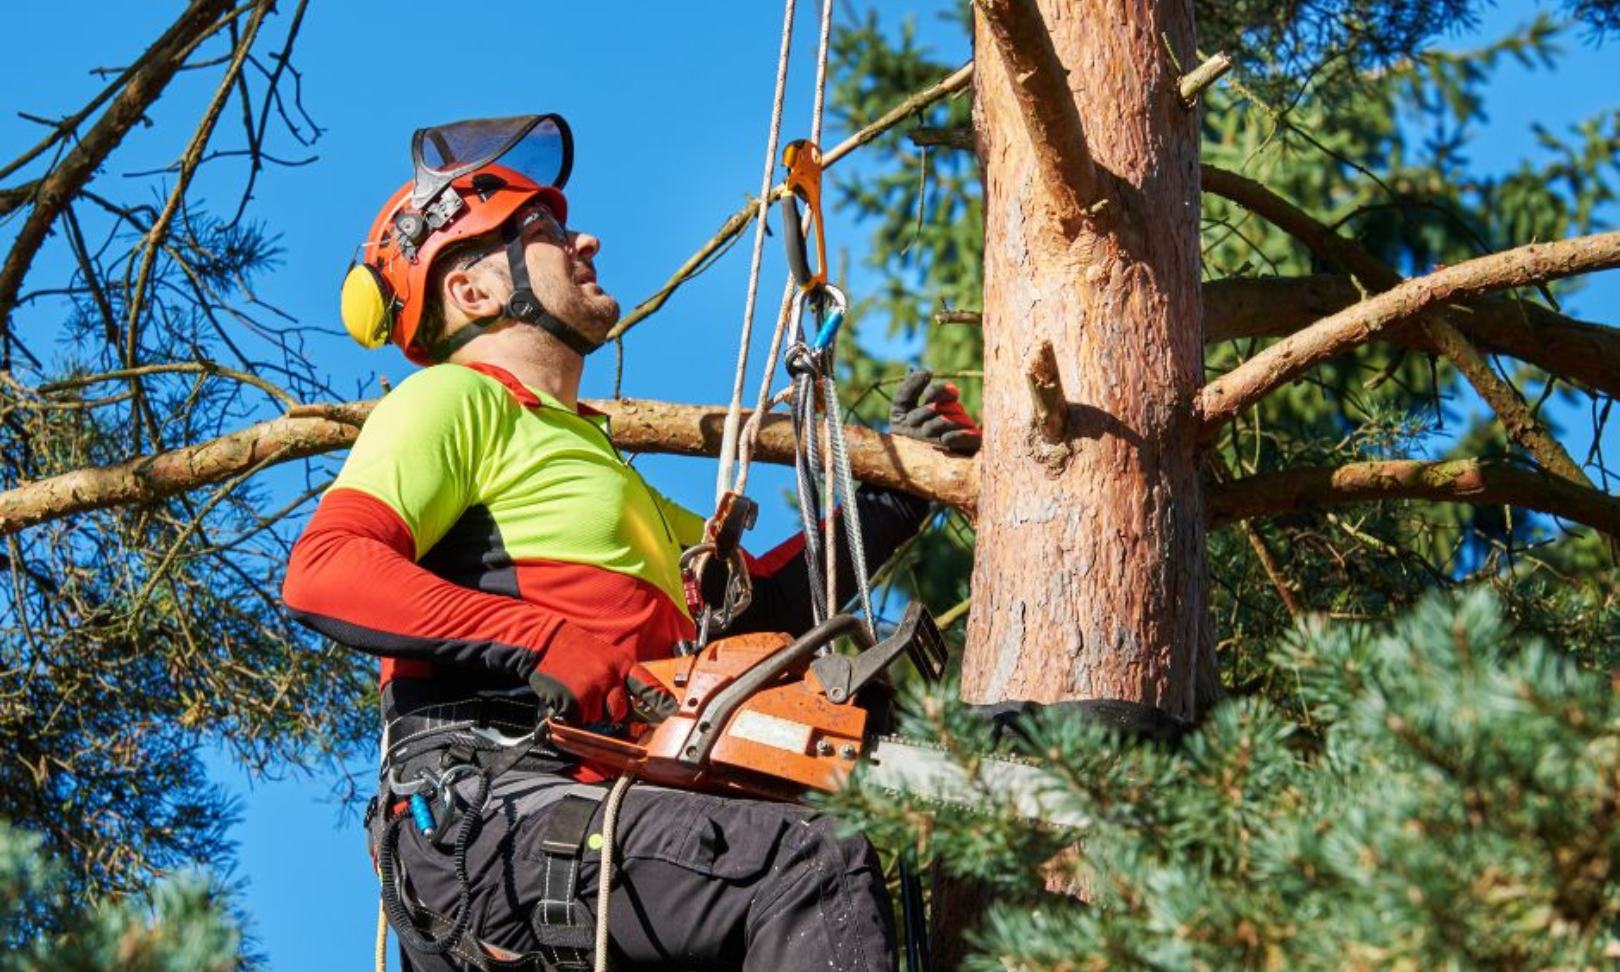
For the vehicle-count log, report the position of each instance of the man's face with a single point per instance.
(561, 272)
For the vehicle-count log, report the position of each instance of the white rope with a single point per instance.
(604, 882)
(382, 938)
(728, 441)
(745, 448)
(821, 72)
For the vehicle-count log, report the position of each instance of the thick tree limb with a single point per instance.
(146, 83)
(1337, 334)
(1503, 398)
(309, 430)
(738, 221)
(647, 426)
(1459, 481)
(1041, 86)
(1577, 351)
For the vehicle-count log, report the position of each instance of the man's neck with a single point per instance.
(532, 356)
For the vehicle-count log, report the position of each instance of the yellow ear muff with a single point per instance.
(368, 311)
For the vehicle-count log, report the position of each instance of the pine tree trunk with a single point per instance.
(1090, 578)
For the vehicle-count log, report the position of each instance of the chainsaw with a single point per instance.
(774, 717)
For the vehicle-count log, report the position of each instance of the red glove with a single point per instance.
(582, 679)
(935, 416)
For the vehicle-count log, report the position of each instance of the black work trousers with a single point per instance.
(701, 882)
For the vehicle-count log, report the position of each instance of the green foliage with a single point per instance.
(133, 640)
(1437, 793)
(180, 926)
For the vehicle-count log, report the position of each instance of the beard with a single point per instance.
(586, 308)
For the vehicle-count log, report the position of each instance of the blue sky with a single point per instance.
(669, 103)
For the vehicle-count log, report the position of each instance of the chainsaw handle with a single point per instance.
(712, 718)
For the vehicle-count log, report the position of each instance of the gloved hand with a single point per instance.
(582, 679)
(935, 416)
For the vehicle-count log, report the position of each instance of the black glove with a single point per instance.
(650, 702)
(934, 416)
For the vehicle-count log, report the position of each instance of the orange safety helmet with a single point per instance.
(460, 192)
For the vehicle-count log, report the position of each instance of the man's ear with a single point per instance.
(474, 293)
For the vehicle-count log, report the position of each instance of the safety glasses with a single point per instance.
(537, 146)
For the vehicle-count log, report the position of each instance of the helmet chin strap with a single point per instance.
(525, 306)
(522, 306)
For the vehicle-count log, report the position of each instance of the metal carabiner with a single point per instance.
(829, 300)
(803, 160)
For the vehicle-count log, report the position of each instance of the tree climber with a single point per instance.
(486, 540)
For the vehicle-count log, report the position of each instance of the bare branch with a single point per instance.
(202, 367)
(309, 430)
(1459, 481)
(188, 167)
(1516, 417)
(1356, 325)
(1041, 86)
(1577, 351)
(147, 79)
(736, 222)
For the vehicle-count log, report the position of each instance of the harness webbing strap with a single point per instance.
(560, 923)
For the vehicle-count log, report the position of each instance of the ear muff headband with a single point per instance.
(367, 306)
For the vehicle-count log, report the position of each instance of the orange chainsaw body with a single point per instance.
(781, 739)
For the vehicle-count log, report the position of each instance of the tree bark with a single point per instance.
(1090, 578)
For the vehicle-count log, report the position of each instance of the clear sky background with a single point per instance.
(669, 103)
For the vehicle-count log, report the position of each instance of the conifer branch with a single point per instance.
(147, 80)
(1516, 417)
(310, 430)
(1579, 352)
(1474, 481)
(1372, 318)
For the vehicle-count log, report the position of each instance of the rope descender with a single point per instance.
(803, 160)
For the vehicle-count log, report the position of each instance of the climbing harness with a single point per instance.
(440, 764)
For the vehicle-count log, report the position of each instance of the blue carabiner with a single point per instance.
(829, 327)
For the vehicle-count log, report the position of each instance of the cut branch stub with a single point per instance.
(1046, 394)
(1194, 82)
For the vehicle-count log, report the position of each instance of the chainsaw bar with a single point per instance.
(907, 767)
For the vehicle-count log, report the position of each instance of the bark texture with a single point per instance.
(1090, 576)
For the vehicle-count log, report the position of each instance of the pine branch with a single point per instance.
(1515, 415)
(1473, 481)
(1372, 318)
(310, 430)
(147, 81)
(1576, 351)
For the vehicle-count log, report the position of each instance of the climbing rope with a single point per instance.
(736, 455)
(728, 440)
(604, 883)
